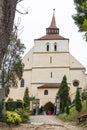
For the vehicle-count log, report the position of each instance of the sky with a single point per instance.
(33, 25)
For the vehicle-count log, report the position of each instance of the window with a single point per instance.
(50, 59)
(55, 47)
(76, 83)
(51, 74)
(47, 47)
(45, 92)
(22, 83)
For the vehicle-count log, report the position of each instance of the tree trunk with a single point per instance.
(7, 14)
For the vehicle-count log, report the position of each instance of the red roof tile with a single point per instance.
(51, 37)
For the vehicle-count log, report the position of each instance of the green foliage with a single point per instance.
(63, 93)
(12, 66)
(23, 114)
(12, 105)
(67, 107)
(13, 117)
(78, 103)
(84, 95)
(26, 99)
(80, 17)
(73, 113)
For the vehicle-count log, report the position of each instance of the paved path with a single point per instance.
(52, 123)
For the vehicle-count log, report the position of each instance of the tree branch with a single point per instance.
(21, 12)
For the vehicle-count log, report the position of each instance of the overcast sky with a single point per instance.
(34, 24)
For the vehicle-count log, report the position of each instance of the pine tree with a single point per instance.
(63, 93)
(78, 103)
(26, 98)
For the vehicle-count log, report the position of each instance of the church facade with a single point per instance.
(46, 64)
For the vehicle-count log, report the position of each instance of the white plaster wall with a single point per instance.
(28, 59)
(43, 75)
(47, 98)
(57, 59)
(62, 45)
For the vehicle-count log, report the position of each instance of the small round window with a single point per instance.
(76, 83)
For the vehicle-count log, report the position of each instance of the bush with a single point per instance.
(12, 105)
(84, 95)
(23, 114)
(12, 117)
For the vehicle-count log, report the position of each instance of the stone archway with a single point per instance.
(49, 107)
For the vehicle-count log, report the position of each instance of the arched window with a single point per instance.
(47, 47)
(55, 47)
(45, 92)
(22, 83)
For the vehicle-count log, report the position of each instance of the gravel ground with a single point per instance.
(43, 123)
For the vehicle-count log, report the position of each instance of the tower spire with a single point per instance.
(52, 29)
(53, 22)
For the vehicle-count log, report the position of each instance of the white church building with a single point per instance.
(46, 64)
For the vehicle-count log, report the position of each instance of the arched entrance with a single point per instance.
(49, 107)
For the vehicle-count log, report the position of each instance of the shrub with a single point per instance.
(12, 117)
(12, 105)
(84, 95)
(23, 114)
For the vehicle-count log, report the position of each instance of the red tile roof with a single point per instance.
(52, 37)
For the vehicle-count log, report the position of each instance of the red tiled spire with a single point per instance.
(53, 22)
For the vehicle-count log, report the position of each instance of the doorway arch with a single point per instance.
(49, 107)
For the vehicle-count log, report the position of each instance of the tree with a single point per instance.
(67, 107)
(78, 103)
(26, 98)
(12, 66)
(63, 93)
(7, 15)
(80, 17)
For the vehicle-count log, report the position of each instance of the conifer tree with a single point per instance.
(63, 93)
(26, 98)
(67, 107)
(78, 103)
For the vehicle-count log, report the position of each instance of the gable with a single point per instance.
(74, 63)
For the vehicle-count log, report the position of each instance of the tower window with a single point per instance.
(51, 74)
(22, 83)
(55, 47)
(47, 47)
(50, 59)
(45, 92)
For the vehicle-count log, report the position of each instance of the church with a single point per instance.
(46, 64)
